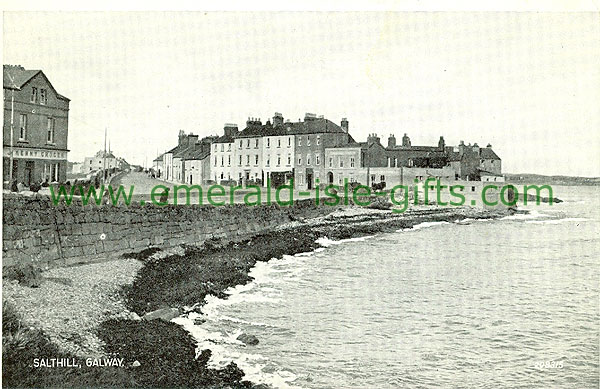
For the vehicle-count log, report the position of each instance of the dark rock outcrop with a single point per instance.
(250, 340)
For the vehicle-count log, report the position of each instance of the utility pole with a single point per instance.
(104, 160)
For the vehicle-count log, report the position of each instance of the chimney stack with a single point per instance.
(373, 138)
(309, 117)
(345, 125)
(391, 141)
(405, 141)
(442, 143)
(277, 119)
(230, 129)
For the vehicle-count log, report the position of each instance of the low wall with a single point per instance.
(37, 231)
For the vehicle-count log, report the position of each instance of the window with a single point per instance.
(248, 143)
(372, 177)
(240, 160)
(382, 178)
(268, 142)
(278, 142)
(289, 141)
(222, 175)
(43, 97)
(23, 127)
(215, 148)
(289, 160)
(299, 141)
(278, 159)
(308, 140)
(215, 160)
(240, 144)
(268, 160)
(410, 163)
(341, 162)
(256, 143)
(247, 160)
(34, 95)
(318, 139)
(351, 161)
(299, 160)
(318, 159)
(256, 159)
(228, 146)
(330, 162)
(222, 160)
(229, 160)
(300, 178)
(308, 159)
(472, 189)
(222, 148)
(50, 127)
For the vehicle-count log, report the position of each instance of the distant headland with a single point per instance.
(550, 180)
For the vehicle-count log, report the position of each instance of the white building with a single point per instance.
(223, 155)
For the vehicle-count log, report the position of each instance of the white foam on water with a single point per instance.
(533, 214)
(224, 346)
(221, 356)
(558, 221)
(422, 225)
(326, 242)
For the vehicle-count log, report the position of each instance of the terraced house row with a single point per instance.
(317, 151)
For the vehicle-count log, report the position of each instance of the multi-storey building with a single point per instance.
(278, 153)
(36, 119)
(197, 162)
(318, 151)
(312, 137)
(248, 153)
(172, 159)
(223, 155)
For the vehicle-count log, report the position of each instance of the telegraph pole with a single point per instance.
(104, 160)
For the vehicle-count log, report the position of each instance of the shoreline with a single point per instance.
(180, 278)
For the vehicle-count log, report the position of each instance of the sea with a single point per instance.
(508, 303)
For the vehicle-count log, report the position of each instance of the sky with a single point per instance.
(526, 82)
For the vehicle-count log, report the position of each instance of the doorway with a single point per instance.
(28, 174)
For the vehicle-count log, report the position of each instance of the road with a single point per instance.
(143, 185)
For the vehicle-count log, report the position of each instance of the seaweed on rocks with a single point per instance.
(166, 356)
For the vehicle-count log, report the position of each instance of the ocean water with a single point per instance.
(476, 304)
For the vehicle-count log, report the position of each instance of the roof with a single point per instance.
(414, 148)
(159, 158)
(351, 145)
(198, 154)
(488, 153)
(184, 152)
(315, 126)
(224, 139)
(15, 77)
(454, 156)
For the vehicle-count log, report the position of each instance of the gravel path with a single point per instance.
(72, 301)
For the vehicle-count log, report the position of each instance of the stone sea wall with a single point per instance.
(37, 231)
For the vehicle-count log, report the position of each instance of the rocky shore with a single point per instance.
(97, 310)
